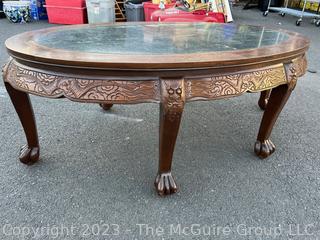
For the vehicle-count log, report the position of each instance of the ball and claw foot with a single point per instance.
(106, 106)
(165, 184)
(264, 149)
(29, 155)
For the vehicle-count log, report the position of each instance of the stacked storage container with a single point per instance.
(176, 15)
(134, 12)
(67, 12)
(150, 7)
(101, 11)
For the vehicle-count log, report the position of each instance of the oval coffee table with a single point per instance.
(170, 64)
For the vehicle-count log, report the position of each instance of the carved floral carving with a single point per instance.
(293, 78)
(118, 91)
(173, 97)
(133, 91)
(235, 84)
(292, 75)
(300, 64)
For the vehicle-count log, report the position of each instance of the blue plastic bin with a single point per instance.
(38, 11)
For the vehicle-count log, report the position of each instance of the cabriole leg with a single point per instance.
(171, 108)
(263, 100)
(278, 98)
(29, 153)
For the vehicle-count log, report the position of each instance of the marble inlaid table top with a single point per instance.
(155, 45)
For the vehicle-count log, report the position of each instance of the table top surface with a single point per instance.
(161, 39)
(154, 45)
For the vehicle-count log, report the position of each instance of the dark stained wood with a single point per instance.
(171, 80)
(171, 108)
(29, 153)
(277, 100)
(263, 100)
(106, 106)
(279, 96)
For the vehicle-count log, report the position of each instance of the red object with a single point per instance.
(176, 15)
(149, 8)
(66, 3)
(66, 15)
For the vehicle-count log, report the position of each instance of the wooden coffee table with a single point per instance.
(170, 64)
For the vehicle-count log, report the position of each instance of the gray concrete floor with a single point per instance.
(98, 168)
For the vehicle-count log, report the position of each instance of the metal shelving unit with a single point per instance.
(294, 12)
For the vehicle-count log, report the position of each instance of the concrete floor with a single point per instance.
(98, 168)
